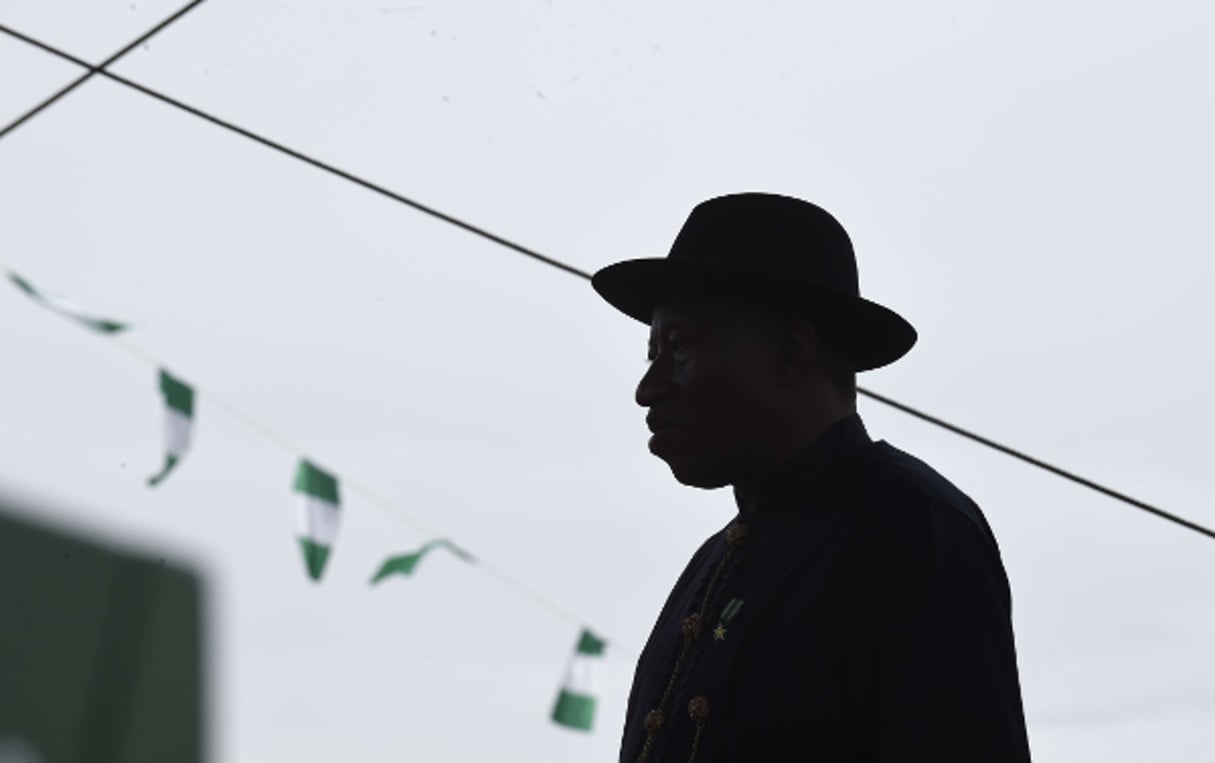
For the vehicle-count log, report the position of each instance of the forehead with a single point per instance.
(699, 314)
(668, 314)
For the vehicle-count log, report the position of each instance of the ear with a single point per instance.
(796, 350)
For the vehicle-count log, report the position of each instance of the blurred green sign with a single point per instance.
(100, 651)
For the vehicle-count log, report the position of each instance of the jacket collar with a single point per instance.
(806, 468)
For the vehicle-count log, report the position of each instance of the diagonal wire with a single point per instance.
(267, 142)
(575, 271)
(95, 69)
(1040, 464)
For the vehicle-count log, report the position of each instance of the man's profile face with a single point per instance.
(708, 391)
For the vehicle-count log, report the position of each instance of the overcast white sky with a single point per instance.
(1028, 183)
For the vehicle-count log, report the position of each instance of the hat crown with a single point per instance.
(767, 233)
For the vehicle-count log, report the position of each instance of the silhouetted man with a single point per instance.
(856, 609)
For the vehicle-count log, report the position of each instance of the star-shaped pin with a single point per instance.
(719, 633)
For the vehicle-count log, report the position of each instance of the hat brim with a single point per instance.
(871, 335)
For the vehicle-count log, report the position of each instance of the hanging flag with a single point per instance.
(179, 422)
(317, 515)
(576, 703)
(64, 307)
(405, 563)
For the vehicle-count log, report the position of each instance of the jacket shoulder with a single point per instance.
(898, 479)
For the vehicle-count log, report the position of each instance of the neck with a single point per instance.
(747, 490)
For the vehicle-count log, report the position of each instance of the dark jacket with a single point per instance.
(862, 615)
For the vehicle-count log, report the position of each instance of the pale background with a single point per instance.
(1029, 183)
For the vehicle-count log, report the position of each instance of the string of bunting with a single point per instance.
(319, 510)
(317, 516)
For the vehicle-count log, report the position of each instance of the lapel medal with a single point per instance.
(727, 614)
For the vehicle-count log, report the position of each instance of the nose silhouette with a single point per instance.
(654, 385)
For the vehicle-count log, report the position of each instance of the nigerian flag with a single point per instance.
(405, 563)
(317, 515)
(576, 703)
(179, 422)
(64, 307)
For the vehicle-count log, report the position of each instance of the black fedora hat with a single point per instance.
(768, 250)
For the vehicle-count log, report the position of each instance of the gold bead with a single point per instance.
(653, 721)
(736, 534)
(691, 626)
(698, 708)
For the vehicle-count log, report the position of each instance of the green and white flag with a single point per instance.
(576, 703)
(64, 307)
(179, 422)
(317, 515)
(405, 563)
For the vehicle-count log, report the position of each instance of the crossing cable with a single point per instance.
(93, 70)
(568, 268)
